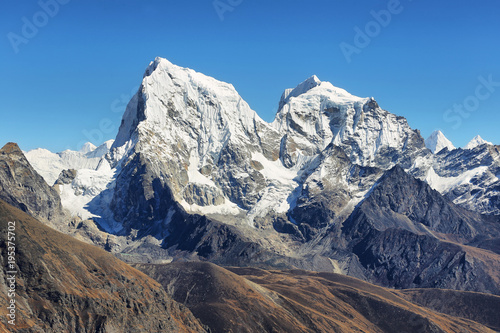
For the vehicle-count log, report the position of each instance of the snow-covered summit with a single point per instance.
(303, 87)
(475, 142)
(308, 85)
(49, 165)
(437, 141)
(324, 114)
(174, 101)
(87, 148)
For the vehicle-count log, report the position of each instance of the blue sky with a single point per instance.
(435, 63)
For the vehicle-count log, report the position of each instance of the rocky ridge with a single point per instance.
(22, 187)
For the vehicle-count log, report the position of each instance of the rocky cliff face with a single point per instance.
(63, 285)
(22, 187)
(407, 235)
(469, 177)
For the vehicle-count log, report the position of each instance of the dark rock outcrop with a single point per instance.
(22, 187)
(407, 235)
(66, 177)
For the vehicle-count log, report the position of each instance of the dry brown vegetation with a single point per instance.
(64, 285)
(257, 300)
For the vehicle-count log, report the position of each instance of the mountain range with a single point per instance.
(335, 184)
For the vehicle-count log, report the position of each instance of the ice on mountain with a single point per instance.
(437, 141)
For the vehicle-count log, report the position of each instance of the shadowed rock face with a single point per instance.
(64, 285)
(407, 235)
(22, 187)
(256, 300)
(145, 196)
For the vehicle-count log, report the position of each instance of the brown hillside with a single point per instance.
(256, 300)
(64, 285)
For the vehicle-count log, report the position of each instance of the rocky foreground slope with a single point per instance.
(64, 285)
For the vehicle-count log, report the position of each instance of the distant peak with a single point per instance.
(437, 141)
(437, 133)
(87, 148)
(475, 142)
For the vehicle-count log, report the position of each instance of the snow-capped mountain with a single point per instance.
(79, 176)
(476, 141)
(196, 170)
(228, 160)
(437, 141)
(50, 165)
(87, 148)
(311, 119)
(196, 137)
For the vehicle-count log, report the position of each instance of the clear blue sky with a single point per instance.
(73, 72)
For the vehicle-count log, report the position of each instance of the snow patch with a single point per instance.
(228, 208)
(85, 187)
(194, 174)
(444, 184)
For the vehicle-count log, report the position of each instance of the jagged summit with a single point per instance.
(475, 142)
(308, 85)
(170, 95)
(303, 87)
(437, 142)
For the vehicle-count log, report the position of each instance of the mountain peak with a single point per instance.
(475, 142)
(437, 141)
(169, 93)
(153, 65)
(11, 148)
(313, 80)
(22, 187)
(87, 148)
(303, 87)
